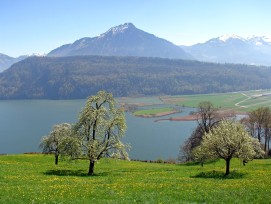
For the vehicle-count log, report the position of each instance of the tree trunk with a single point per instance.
(91, 167)
(268, 144)
(56, 159)
(265, 139)
(259, 134)
(265, 145)
(227, 166)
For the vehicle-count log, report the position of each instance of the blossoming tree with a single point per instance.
(226, 141)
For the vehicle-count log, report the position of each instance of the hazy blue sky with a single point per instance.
(38, 26)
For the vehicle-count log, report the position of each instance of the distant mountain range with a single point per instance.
(127, 40)
(233, 49)
(6, 61)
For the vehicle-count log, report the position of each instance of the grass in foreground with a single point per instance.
(35, 179)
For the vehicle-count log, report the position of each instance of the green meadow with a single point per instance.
(35, 179)
(239, 101)
(220, 100)
(153, 111)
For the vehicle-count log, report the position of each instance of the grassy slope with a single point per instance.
(35, 179)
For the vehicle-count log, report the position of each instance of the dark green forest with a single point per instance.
(80, 76)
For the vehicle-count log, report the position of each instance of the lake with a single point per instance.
(24, 122)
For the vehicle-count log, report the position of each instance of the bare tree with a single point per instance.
(207, 118)
(258, 123)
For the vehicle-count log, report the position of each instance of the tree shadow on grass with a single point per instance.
(199, 163)
(65, 172)
(219, 175)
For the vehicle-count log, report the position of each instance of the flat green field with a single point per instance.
(35, 179)
(240, 101)
(140, 100)
(154, 111)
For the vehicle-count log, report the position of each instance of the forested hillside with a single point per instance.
(81, 76)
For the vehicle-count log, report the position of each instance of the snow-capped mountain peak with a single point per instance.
(225, 38)
(259, 40)
(123, 40)
(118, 29)
(254, 50)
(267, 39)
(34, 55)
(38, 54)
(121, 28)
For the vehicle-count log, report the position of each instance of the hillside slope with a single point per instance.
(81, 76)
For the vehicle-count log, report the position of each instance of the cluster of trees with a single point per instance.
(218, 136)
(97, 133)
(258, 123)
(81, 76)
(101, 125)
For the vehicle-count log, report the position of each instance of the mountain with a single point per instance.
(262, 45)
(233, 49)
(6, 61)
(122, 40)
(78, 77)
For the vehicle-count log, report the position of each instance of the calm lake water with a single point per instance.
(24, 122)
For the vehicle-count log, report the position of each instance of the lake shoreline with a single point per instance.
(183, 118)
(157, 114)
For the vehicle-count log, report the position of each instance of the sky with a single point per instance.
(39, 26)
